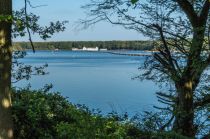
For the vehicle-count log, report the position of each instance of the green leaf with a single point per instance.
(134, 1)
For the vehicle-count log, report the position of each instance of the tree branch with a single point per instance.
(35, 6)
(187, 7)
(202, 102)
(27, 27)
(168, 123)
(103, 16)
(204, 12)
(150, 26)
(168, 53)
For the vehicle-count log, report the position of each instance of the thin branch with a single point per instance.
(169, 57)
(27, 27)
(167, 124)
(165, 95)
(165, 109)
(187, 7)
(166, 103)
(29, 2)
(204, 12)
(202, 102)
(179, 47)
(150, 26)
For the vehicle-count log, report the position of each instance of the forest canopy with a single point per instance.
(68, 45)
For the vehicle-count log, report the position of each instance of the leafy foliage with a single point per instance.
(21, 71)
(21, 22)
(38, 114)
(43, 115)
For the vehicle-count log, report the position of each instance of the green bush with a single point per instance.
(41, 115)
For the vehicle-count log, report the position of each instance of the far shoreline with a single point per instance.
(77, 45)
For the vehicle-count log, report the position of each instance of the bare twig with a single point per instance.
(35, 6)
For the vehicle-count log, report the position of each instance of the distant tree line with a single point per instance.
(68, 45)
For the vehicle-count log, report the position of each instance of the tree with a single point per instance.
(180, 30)
(22, 23)
(6, 126)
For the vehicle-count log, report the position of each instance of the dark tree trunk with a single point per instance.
(6, 124)
(184, 121)
(184, 110)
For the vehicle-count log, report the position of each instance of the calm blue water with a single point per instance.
(99, 80)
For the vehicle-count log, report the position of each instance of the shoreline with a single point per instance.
(114, 52)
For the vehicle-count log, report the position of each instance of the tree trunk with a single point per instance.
(6, 124)
(184, 122)
(184, 110)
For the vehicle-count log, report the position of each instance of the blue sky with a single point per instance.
(70, 10)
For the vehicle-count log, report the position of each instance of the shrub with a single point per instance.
(42, 115)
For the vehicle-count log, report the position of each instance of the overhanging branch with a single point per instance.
(187, 7)
(204, 12)
(27, 27)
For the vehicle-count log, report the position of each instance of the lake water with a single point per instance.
(96, 79)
